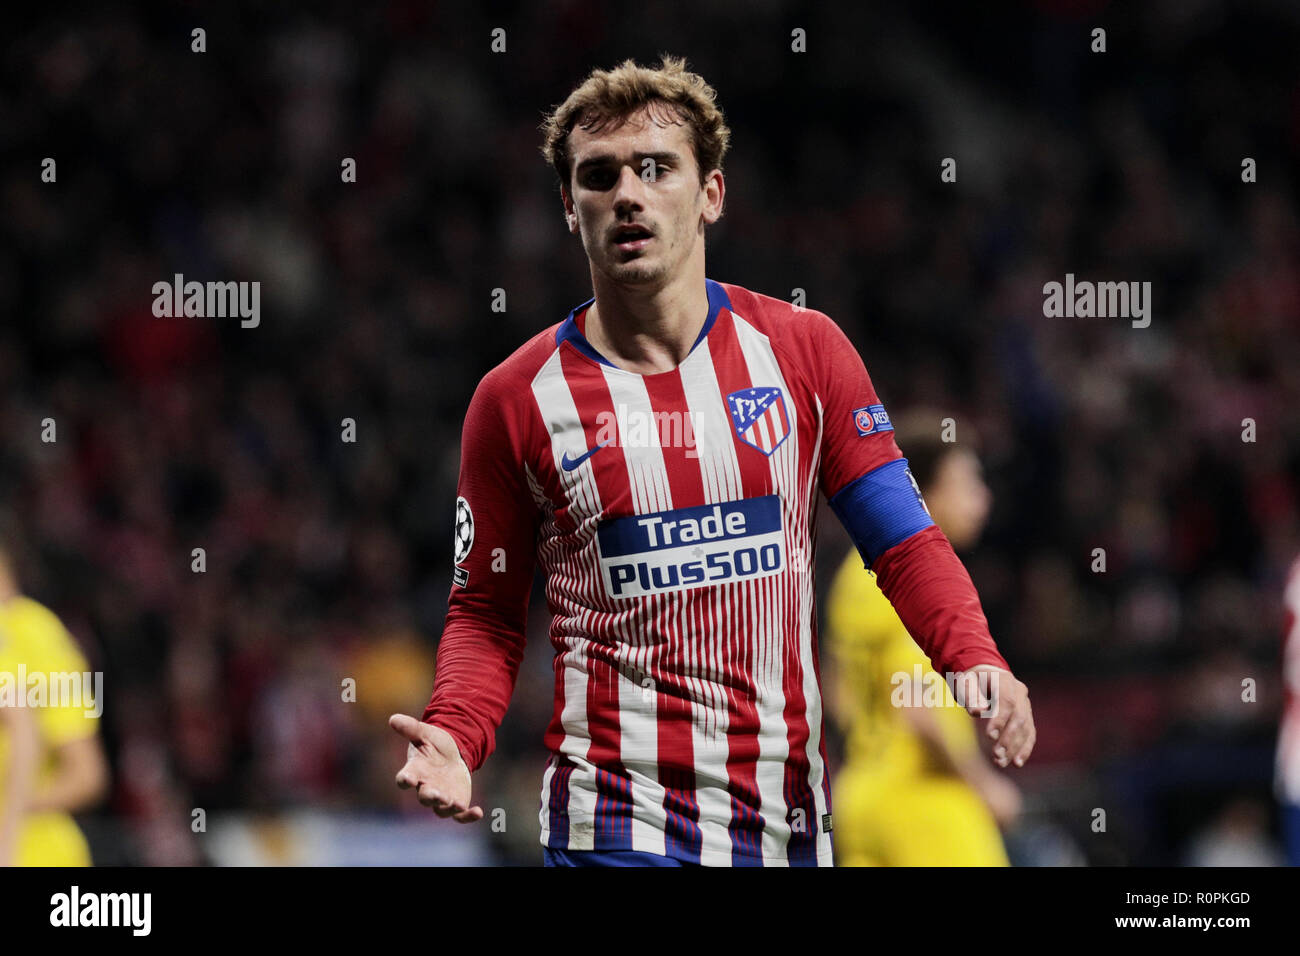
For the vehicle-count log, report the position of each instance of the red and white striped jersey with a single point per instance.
(672, 516)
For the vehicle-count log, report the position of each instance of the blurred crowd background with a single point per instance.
(328, 560)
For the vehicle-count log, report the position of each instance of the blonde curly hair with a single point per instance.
(611, 96)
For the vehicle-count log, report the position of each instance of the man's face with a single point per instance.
(642, 174)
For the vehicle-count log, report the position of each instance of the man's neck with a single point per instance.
(647, 331)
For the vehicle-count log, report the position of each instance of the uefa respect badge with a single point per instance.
(872, 419)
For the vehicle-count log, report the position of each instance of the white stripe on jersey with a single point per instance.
(770, 608)
(720, 477)
(637, 710)
(560, 413)
(764, 369)
(808, 614)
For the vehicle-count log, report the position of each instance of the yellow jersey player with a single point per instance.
(915, 789)
(51, 761)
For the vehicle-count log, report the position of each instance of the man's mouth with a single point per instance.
(630, 238)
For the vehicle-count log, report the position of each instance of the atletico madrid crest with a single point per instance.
(760, 417)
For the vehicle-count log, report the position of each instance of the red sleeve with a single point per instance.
(844, 388)
(485, 630)
(921, 576)
(935, 599)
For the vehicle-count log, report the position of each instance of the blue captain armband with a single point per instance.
(881, 509)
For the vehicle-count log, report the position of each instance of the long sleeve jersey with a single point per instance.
(673, 518)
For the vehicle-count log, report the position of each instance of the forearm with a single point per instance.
(498, 519)
(475, 677)
(964, 764)
(66, 796)
(79, 780)
(930, 589)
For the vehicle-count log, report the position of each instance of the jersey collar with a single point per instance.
(569, 331)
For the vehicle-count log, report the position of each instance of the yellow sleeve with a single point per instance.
(47, 648)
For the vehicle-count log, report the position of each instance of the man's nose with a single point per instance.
(628, 191)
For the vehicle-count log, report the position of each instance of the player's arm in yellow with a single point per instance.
(1000, 795)
(948, 742)
(79, 781)
(863, 625)
(79, 777)
(18, 776)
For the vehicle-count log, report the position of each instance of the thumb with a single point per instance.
(409, 728)
(972, 694)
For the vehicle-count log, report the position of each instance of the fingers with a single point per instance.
(1010, 718)
(1031, 737)
(436, 799)
(441, 803)
(1008, 741)
(406, 778)
(972, 695)
(409, 775)
(1004, 692)
(1009, 737)
(1015, 741)
(470, 815)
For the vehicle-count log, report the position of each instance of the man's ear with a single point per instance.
(570, 214)
(715, 181)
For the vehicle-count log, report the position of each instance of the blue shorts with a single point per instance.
(607, 858)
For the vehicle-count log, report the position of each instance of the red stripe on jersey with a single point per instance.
(674, 720)
(733, 375)
(737, 656)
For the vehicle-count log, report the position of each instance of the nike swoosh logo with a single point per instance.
(571, 463)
